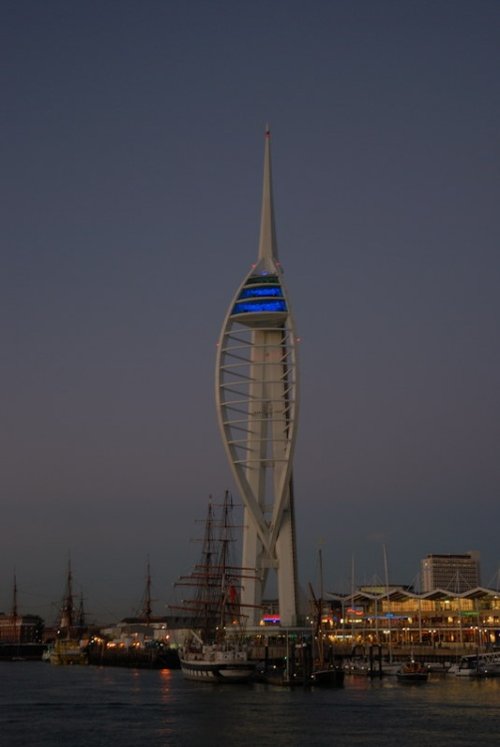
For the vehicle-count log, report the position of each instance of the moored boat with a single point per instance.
(324, 673)
(413, 671)
(67, 651)
(328, 677)
(491, 669)
(215, 649)
(217, 663)
(67, 647)
(477, 665)
(282, 676)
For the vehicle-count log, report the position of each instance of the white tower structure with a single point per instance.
(257, 406)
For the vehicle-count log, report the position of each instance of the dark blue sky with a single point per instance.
(132, 147)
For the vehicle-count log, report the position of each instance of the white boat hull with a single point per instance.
(477, 665)
(209, 671)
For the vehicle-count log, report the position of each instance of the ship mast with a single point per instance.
(14, 599)
(17, 629)
(147, 608)
(81, 614)
(215, 581)
(68, 608)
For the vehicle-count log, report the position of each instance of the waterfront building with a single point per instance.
(16, 628)
(135, 631)
(395, 617)
(257, 406)
(457, 572)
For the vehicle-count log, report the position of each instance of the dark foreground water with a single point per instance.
(44, 706)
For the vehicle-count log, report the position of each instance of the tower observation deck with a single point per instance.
(257, 407)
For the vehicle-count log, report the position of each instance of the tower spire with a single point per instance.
(268, 247)
(257, 405)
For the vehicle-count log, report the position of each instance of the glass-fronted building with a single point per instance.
(401, 617)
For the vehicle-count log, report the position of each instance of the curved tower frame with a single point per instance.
(257, 408)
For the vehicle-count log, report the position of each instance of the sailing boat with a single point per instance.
(324, 673)
(389, 667)
(215, 649)
(67, 648)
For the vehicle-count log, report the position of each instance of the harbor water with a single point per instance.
(44, 706)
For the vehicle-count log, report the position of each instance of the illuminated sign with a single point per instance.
(356, 611)
(270, 619)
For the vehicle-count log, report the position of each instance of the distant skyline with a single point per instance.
(130, 193)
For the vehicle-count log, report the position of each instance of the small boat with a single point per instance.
(438, 667)
(371, 666)
(391, 668)
(491, 669)
(328, 677)
(216, 649)
(282, 676)
(477, 665)
(67, 651)
(413, 671)
(467, 666)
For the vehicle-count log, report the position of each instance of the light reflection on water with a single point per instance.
(43, 706)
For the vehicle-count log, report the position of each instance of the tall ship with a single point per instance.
(216, 649)
(67, 647)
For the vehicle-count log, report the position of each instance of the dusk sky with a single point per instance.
(131, 175)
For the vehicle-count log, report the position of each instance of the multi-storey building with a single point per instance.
(20, 628)
(455, 572)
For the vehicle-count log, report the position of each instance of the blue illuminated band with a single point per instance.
(255, 292)
(241, 307)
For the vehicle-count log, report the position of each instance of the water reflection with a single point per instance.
(92, 707)
(166, 676)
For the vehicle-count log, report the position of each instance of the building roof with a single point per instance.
(401, 593)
